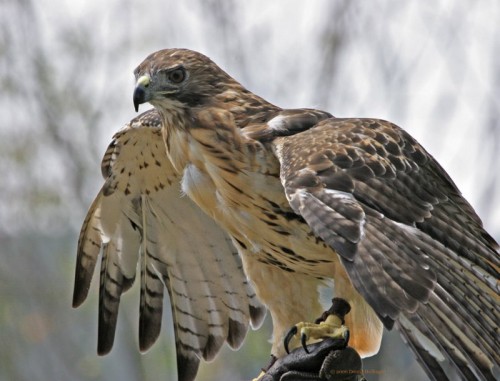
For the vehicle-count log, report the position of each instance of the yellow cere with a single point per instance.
(144, 80)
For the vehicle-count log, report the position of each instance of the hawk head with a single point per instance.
(177, 78)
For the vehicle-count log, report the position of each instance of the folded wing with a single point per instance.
(411, 244)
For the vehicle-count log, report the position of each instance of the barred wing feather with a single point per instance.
(412, 246)
(140, 216)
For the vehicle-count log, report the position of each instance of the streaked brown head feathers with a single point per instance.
(183, 79)
(182, 75)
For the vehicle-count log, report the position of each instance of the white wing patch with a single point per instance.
(277, 123)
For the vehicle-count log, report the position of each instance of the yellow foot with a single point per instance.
(329, 325)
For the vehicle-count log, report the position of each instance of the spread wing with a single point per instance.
(411, 244)
(140, 216)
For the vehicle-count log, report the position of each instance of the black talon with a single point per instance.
(347, 337)
(340, 308)
(291, 333)
(303, 339)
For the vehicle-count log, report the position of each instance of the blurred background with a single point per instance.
(66, 87)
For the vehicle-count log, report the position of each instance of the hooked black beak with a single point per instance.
(139, 97)
(140, 92)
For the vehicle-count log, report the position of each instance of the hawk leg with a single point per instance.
(266, 368)
(329, 325)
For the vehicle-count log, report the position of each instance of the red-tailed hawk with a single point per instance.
(305, 198)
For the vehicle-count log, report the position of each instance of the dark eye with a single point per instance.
(177, 75)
